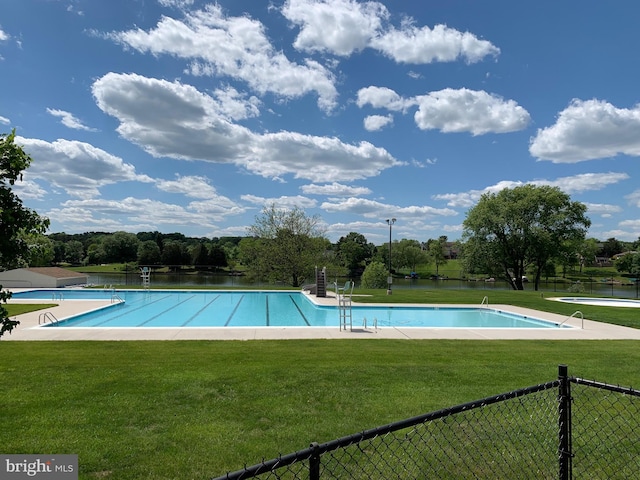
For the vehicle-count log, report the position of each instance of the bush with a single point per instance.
(374, 276)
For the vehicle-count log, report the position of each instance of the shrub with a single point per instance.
(374, 276)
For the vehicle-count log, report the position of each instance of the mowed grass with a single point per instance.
(196, 409)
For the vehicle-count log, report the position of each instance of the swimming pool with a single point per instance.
(600, 302)
(200, 308)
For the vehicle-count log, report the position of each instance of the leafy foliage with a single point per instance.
(374, 276)
(526, 226)
(285, 246)
(17, 224)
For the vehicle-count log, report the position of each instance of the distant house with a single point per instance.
(41, 277)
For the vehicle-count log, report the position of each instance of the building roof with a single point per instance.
(55, 272)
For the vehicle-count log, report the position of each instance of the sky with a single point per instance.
(190, 116)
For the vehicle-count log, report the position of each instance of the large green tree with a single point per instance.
(285, 246)
(17, 223)
(354, 252)
(524, 227)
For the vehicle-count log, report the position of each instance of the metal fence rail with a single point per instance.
(545, 431)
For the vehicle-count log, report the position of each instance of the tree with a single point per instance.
(628, 262)
(286, 246)
(354, 252)
(17, 222)
(407, 254)
(375, 276)
(121, 247)
(525, 227)
(436, 251)
(149, 253)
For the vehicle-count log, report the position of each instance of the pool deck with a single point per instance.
(29, 329)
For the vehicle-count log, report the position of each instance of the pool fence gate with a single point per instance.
(562, 429)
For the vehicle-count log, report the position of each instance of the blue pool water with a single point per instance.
(178, 308)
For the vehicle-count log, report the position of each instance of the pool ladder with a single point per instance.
(47, 316)
(485, 301)
(573, 315)
(115, 298)
(57, 296)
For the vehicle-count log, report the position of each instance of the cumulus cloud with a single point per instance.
(236, 47)
(69, 120)
(587, 130)
(449, 110)
(136, 213)
(335, 190)
(373, 123)
(78, 168)
(374, 209)
(285, 201)
(340, 27)
(464, 110)
(422, 45)
(383, 97)
(602, 209)
(570, 185)
(4, 36)
(5, 120)
(166, 113)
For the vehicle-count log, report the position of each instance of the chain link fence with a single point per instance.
(566, 428)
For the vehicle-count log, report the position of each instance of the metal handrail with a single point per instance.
(43, 317)
(572, 316)
(485, 299)
(116, 298)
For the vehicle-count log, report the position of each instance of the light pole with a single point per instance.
(390, 278)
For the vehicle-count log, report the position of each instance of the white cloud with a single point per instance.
(29, 190)
(603, 209)
(335, 26)
(373, 123)
(383, 97)
(284, 201)
(69, 120)
(5, 120)
(164, 114)
(342, 27)
(634, 198)
(463, 110)
(236, 47)
(373, 209)
(414, 45)
(130, 211)
(335, 190)
(77, 167)
(570, 185)
(4, 36)
(191, 186)
(587, 130)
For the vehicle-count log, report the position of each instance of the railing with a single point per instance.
(577, 312)
(47, 316)
(115, 298)
(550, 430)
(57, 296)
(485, 301)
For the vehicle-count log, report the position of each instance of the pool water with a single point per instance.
(179, 308)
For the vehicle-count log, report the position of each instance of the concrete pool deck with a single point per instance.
(29, 329)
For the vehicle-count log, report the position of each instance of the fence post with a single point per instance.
(314, 463)
(564, 424)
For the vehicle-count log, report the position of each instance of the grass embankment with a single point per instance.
(197, 409)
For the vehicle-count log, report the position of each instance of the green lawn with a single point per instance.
(196, 409)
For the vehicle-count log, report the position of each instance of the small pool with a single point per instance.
(210, 308)
(600, 302)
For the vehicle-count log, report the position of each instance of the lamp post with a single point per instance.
(390, 278)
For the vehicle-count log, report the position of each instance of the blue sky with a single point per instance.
(188, 116)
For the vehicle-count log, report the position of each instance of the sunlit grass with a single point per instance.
(198, 409)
